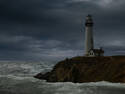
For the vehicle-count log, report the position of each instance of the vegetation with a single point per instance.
(87, 69)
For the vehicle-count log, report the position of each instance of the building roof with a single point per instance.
(97, 50)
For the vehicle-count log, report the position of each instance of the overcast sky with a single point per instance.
(38, 30)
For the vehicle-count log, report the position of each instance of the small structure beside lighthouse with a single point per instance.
(89, 41)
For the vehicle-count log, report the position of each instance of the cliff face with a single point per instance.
(87, 69)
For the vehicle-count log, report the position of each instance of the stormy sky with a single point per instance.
(39, 30)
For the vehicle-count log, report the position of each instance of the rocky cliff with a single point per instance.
(87, 69)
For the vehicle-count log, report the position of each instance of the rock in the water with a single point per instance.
(87, 69)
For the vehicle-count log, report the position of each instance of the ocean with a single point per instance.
(17, 78)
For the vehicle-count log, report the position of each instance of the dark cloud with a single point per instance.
(51, 29)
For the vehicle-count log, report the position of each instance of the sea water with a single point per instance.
(17, 78)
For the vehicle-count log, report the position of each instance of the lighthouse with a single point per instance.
(89, 41)
(88, 35)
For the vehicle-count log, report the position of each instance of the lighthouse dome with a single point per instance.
(89, 21)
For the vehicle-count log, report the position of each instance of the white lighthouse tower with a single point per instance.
(89, 42)
(88, 35)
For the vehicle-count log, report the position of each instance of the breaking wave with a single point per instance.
(24, 68)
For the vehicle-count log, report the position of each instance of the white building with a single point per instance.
(89, 42)
(96, 52)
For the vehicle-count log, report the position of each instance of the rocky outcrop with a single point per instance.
(87, 69)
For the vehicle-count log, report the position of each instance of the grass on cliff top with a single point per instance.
(117, 58)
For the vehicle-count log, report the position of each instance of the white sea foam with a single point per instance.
(23, 68)
(29, 85)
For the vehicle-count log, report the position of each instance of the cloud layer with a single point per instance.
(51, 29)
